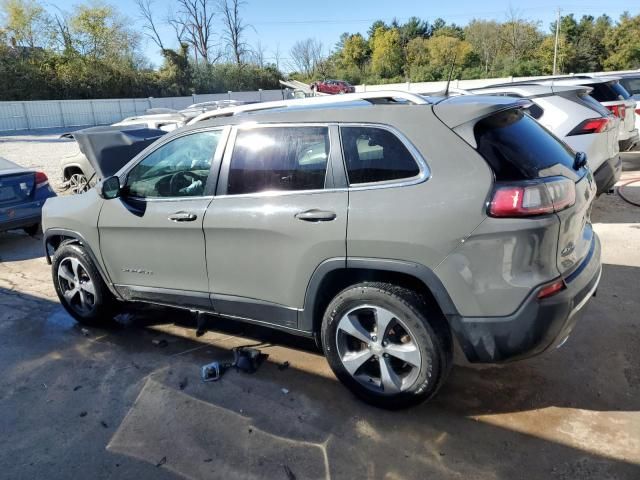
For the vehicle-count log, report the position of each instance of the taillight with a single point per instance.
(619, 111)
(41, 179)
(532, 198)
(551, 289)
(637, 111)
(591, 125)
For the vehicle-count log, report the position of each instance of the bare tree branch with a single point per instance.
(306, 55)
(145, 8)
(234, 28)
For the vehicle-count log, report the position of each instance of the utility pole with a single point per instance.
(555, 49)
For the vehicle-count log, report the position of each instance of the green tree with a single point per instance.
(355, 51)
(386, 53)
(484, 37)
(27, 24)
(623, 43)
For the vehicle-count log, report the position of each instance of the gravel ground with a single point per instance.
(41, 150)
(108, 403)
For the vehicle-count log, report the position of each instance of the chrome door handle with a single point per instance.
(183, 217)
(315, 215)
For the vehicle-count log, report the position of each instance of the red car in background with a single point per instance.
(332, 87)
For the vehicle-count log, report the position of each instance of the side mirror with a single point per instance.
(109, 188)
(580, 160)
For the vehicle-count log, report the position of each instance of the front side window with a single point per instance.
(376, 155)
(179, 168)
(278, 158)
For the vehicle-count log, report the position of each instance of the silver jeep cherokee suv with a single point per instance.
(383, 226)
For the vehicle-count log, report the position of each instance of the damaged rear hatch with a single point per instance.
(536, 174)
(110, 148)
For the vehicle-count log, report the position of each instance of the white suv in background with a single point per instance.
(575, 117)
(609, 92)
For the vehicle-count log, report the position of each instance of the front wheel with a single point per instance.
(80, 286)
(385, 346)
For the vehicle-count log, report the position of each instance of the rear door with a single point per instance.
(151, 237)
(275, 218)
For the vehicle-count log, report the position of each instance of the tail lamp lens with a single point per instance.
(618, 110)
(592, 125)
(41, 179)
(539, 198)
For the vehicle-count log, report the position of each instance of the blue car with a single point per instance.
(22, 195)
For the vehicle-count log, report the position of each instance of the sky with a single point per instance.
(277, 24)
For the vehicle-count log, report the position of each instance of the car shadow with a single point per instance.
(15, 245)
(160, 414)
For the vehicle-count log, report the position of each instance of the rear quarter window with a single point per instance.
(608, 92)
(517, 147)
(632, 85)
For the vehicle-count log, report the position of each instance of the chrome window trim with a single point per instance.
(423, 176)
(220, 148)
(250, 125)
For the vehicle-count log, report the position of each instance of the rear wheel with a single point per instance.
(383, 344)
(80, 287)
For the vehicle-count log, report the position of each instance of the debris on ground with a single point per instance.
(208, 460)
(285, 391)
(183, 384)
(77, 387)
(104, 424)
(248, 359)
(85, 332)
(83, 414)
(288, 472)
(283, 366)
(212, 372)
(245, 359)
(162, 461)
(159, 342)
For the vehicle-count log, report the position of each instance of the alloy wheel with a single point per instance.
(378, 349)
(76, 286)
(78, 183)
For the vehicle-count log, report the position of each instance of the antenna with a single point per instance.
(453, 64)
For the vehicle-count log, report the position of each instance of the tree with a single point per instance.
(27, 23)
(484, 37)
(100, 33)
(519, 38)
(623, 43)
(306, 55)
(234, 28)
(195, 19)
(386, 53)
(355, 51)
(146, 9)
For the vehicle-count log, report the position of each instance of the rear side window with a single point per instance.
(517, 147)
(632, 85)
(608, 92)
(278, 158)
(375, 154)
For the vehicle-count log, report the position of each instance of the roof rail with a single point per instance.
(324, 100)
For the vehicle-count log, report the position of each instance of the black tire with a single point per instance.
(32, 230)
(105, 306)
(430, 331)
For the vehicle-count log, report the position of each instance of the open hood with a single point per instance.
(110, 148)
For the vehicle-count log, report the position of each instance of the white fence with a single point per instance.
(31, 115)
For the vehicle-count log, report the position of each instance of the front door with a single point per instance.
(275, 220)
(151, 238)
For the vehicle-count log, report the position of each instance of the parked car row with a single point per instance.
(386, 231)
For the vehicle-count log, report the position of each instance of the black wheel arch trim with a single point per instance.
(416, 270)
(78, 238)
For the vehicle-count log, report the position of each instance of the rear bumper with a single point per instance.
(629, 143)
(608, 174)
(537, 325)
(18, 223)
